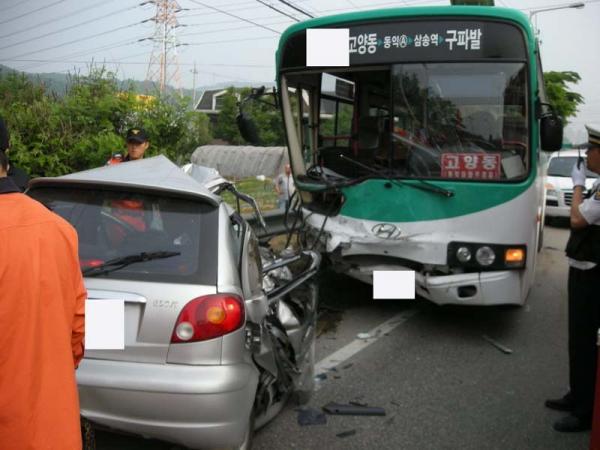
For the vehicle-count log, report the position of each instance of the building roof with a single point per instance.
(157, 173)
(206, 99)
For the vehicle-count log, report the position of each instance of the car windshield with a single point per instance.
(461, 121)
(115, 224)
(561, 166)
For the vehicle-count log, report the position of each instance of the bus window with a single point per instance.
(336, 112)
(460, 121)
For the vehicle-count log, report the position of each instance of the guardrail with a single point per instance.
(274, 221)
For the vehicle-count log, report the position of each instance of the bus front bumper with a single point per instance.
(478, 288)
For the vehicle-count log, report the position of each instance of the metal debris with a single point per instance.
(498, 345)
(352, 410)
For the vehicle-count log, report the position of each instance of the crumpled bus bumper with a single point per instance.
(479, 288)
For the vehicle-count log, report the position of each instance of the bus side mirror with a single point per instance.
(247, 129)
(551, 131)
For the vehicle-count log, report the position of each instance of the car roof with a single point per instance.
(149, 174)
(567, 153)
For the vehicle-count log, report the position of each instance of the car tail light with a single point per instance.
(208, 317)
(86, 263)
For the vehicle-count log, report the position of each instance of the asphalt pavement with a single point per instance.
(448, 377)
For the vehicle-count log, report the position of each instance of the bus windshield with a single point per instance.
(460, 121)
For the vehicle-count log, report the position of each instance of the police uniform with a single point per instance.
(583, 252)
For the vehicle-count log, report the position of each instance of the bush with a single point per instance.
(53, 135)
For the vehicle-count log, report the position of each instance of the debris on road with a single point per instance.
(352, 410)
(320, 376)
(347, 366)
(498, 345)
(355, 403)
(347, 433)
(363, 336)
(311, 416)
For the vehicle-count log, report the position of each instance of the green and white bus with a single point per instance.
(423, 151)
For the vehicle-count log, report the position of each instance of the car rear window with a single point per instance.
(113, 224)
(561, 166)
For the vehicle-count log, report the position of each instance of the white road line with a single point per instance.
(348, 351)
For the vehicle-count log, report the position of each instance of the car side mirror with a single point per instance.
(247, 129)
(551, 131)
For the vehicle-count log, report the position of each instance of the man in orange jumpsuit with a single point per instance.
(42, 307)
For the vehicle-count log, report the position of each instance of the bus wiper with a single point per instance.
(424, 185)
(124, 261)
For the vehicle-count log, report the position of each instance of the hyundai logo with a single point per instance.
(386, 231)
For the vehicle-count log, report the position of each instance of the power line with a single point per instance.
(230, 29)
(233, 15)
(19, 3)
(78, 40)
(110, 46)
(41, 24)
(278, 10)
(68, 28)
(294, 7)
(50, 61)
(31, 12)
(229, 41)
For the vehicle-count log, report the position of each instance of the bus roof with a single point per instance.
(487, 12)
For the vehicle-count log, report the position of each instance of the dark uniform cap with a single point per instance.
(4, 136)
(136, 135)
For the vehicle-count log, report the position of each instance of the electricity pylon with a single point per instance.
(163, 67)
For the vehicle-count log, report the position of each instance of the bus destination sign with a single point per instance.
(402, 41)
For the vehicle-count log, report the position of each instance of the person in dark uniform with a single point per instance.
(18, 176)
(583, 251)
(137, 144)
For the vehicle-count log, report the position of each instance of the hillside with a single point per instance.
(58, 82)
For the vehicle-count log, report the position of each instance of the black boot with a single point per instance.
(565, 403)
(572, 423)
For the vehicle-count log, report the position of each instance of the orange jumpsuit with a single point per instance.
(42, 307)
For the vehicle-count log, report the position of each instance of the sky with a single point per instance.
(235, 40)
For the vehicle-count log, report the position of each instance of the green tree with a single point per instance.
(53, 135)
(560, 96)
(226, 127)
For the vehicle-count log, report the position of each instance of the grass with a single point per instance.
(262, 191)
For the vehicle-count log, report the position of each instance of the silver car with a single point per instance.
(218, 331)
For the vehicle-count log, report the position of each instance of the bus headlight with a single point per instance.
(477, 257)
(463, 254)
(485, 256)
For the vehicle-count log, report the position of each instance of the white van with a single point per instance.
(559, 187)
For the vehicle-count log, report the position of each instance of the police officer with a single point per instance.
(137, 144)
(583, 251)
(18, 176)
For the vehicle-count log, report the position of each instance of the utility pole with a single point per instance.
(163, 67)
(194, 72)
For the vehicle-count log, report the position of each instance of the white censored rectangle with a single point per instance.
(104, 324)
(393, 284)
(328, 47)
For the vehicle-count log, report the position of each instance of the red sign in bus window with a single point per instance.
(471, 166)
